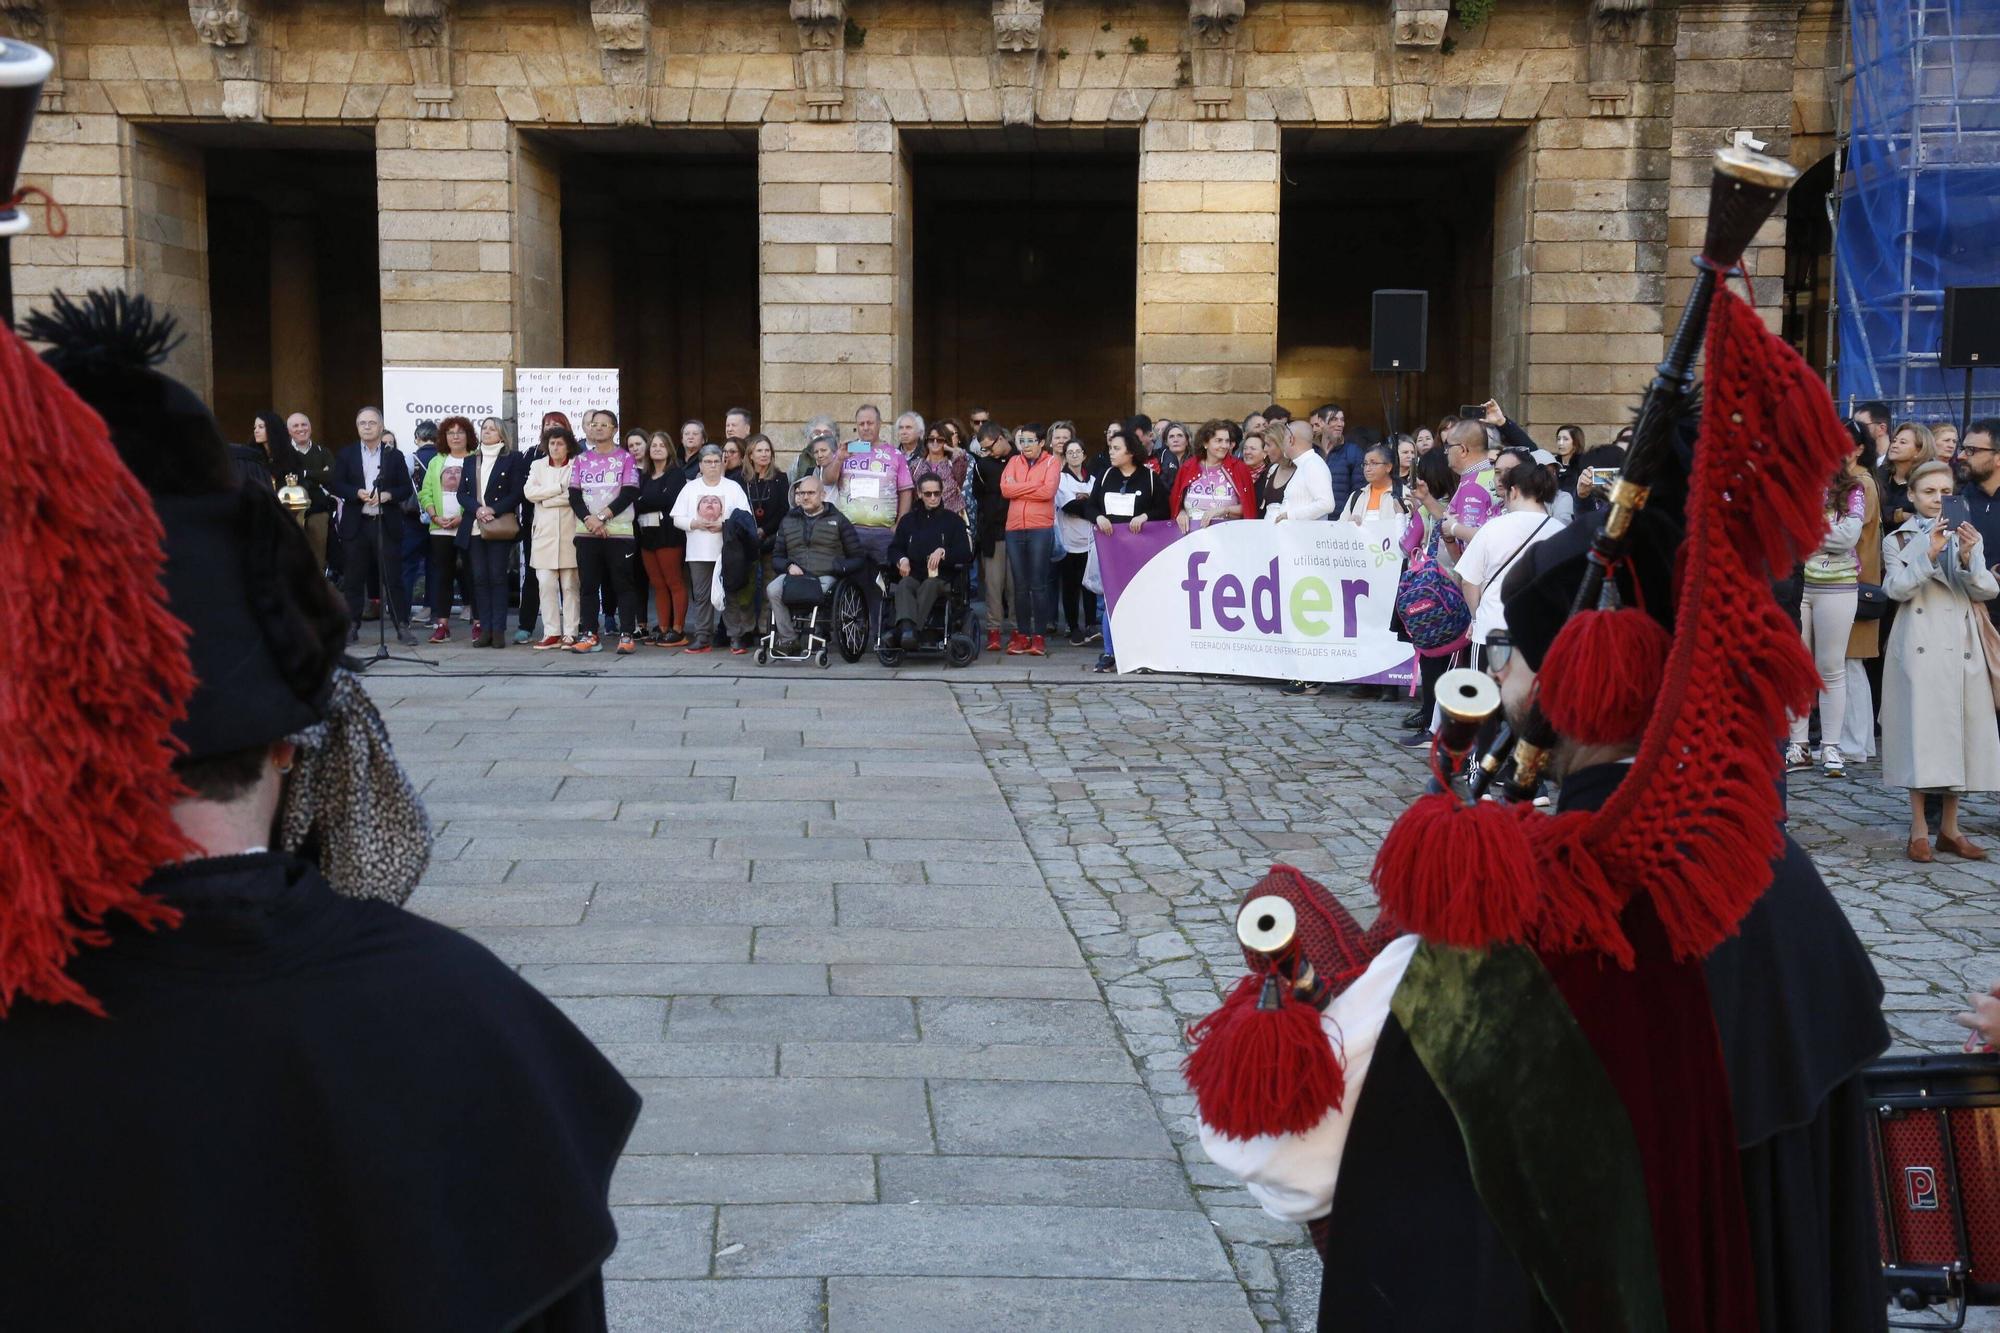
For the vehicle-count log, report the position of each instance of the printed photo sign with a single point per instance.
(431, 393)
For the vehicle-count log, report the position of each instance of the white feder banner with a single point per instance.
(1284, 601)
(537, 392)
(431, 393)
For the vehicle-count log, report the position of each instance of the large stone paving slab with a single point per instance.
(799, 915)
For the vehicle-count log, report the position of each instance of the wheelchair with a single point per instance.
(836, 621)
(953, 629)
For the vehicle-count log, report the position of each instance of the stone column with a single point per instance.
(1208, 268)
(834, 255)
(1732, 72)
(538, 255)
(168, 253)
(295, 360)
(447, 241)
(1593, 269)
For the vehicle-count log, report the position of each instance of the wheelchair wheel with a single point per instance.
(960, 649)
(850, 621)
(823, 658)
(889, 657)
(763, 654)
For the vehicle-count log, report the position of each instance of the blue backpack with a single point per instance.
(1432, 608)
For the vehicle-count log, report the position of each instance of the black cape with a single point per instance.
(304, 1112)
(1799, 1009)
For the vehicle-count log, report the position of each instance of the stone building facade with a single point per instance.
(1585, 125)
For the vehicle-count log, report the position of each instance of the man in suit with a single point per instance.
(371, 481)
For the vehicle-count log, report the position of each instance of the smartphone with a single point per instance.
(1955, 512)
(1472, 411)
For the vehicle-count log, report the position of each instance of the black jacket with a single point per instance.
(313, 468)
(741, 545)
(657, 496)
(824, 543)
(992, 504)
(313, 1113)
(505, 477)
(922, 531)
(1147, 486)
(349, 480)
(770, 500)
(251, 466)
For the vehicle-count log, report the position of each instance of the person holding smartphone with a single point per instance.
(1937, 697)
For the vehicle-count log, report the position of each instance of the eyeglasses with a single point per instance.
(1966, 450)
(1499, 651)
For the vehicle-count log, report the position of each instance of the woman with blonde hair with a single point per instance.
(1910, 447)
(1937, 699)
(552, 547)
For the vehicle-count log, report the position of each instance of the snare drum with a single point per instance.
(1935, 1136)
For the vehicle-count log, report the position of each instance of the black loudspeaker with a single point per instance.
(1971, 328)
(1396, 341)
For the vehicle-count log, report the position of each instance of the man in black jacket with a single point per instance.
(251, 1101)
(815, 540)
(313, 466)
(992, 506)
(932, 538)
(371, 481)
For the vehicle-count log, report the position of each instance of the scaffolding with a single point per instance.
(1919, 199)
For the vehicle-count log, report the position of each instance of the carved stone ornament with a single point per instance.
(1212, 26)
(822, 28)
(624, 41)
(226, 26)
(1612, 63)
(30, 21)
(426, 26)
(1017, 58)
(1421, 29)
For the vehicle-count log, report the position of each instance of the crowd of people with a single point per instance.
(668, 538)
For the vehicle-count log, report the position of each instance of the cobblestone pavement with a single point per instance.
(902, 964)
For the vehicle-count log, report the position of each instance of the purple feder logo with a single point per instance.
(1311, 601)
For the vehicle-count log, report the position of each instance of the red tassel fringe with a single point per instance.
(86, 791)
(1601, 677)
(1255, 1071)
(1459, 874)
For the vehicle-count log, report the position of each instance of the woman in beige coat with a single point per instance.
(1937, 701)
(553, 554)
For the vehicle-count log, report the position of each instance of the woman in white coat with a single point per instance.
(1937, 703)
(552, 554)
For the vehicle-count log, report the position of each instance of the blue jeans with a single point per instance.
(1029, 569)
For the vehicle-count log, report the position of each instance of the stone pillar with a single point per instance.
(1208, 267)
(295, 359)
(79, 159)
(834, 255)
(168, 251)
(1593, 270)
(446, 231)
(538, 255)
(1732, 72)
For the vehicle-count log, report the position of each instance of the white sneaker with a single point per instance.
(1834, 767)
(1796, 758)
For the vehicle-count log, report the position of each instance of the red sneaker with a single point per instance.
(552, 641)
(1017, 645)
(993, 641)
(441, 631)
(1038, 647)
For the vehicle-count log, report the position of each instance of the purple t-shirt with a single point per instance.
(869, 484)
(600, 477)
(1473, 503)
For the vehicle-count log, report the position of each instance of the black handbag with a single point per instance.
(801, 590)
(1870, 602)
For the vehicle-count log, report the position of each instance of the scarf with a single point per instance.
(350, 806)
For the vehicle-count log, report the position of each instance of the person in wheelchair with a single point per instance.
(930, 547)
(815, 540)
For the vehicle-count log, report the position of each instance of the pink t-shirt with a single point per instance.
(869, 484)
(600, 477)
